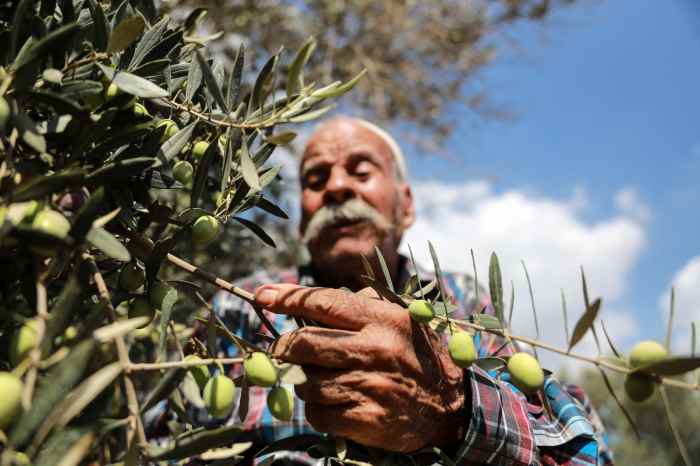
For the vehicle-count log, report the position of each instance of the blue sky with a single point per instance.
(606, 141)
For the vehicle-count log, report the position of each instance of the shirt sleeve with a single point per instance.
(499, 431)
(506, 428)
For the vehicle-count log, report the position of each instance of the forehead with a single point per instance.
(339, 139)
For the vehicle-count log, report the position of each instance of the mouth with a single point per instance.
(345, 225)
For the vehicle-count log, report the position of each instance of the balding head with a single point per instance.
(398, 158)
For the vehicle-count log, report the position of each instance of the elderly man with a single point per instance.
(374, 376)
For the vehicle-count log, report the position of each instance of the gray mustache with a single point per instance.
(352, 210)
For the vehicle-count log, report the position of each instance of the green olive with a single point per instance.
(10, 401)
(132, 276)
(183, 171)
(23, 341)
(280, 402)
(139, 110)
(199, 149)
(200, 373)
(647, 352)
(421, 311)
(462, 349)
(4, 114)
(219, 395)
(525, 373)
(170, 129)
(639, 387)
(111, 91)
(259, 370)
(51, 222)
(205, 230)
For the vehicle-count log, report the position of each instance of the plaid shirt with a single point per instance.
(504, 427)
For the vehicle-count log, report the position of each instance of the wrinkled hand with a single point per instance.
(374, 376)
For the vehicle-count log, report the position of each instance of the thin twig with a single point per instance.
(123, 354)
(168, 365)
(595, 361)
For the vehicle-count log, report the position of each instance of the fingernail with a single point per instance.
(266, 296)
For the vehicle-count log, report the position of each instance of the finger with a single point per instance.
(336, 308)
(331, 348)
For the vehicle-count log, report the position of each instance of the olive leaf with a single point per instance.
(132, 84)
(126, 33)
(584, 323)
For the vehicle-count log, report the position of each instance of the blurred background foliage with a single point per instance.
(422, 61)
(657, 445)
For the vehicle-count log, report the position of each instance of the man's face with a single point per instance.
(344, 161)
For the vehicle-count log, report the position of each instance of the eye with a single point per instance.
(315, 178)
(363, 170)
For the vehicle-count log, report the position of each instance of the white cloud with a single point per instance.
(687, 303)
(548, 234)
(628, 201)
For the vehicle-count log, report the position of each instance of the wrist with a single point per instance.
(451, 432)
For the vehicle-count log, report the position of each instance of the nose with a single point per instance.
(339, 187)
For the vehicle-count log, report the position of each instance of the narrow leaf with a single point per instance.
(149, 40)
(385, 269)
(186, 446)
(125, 34)
(271, 208)
(173, 146)
(438, 276)
(496, 286)
(100, 25)
(609, 386)
(165, 386)
(108, 244)
(259, 232)
(261, 83)
(210, 82)
(295, 76)
(134, 85)
(233, 143)
(165, 313)
(194, 80)
(676, 434)
(669, 326)
(234, 84)
(607, 336)
(671, 366)
(249, 169)
(532, 304)
(202, 173)
(50, 42)
(585, 323)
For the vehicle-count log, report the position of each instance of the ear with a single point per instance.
(408, 209)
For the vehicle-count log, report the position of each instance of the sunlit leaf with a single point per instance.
(585, 323)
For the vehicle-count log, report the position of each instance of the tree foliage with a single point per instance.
(421, 57)
(98, 103)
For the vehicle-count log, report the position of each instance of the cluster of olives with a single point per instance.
(206, 228)
(218, 391)
(525, 371)
(638, 386)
